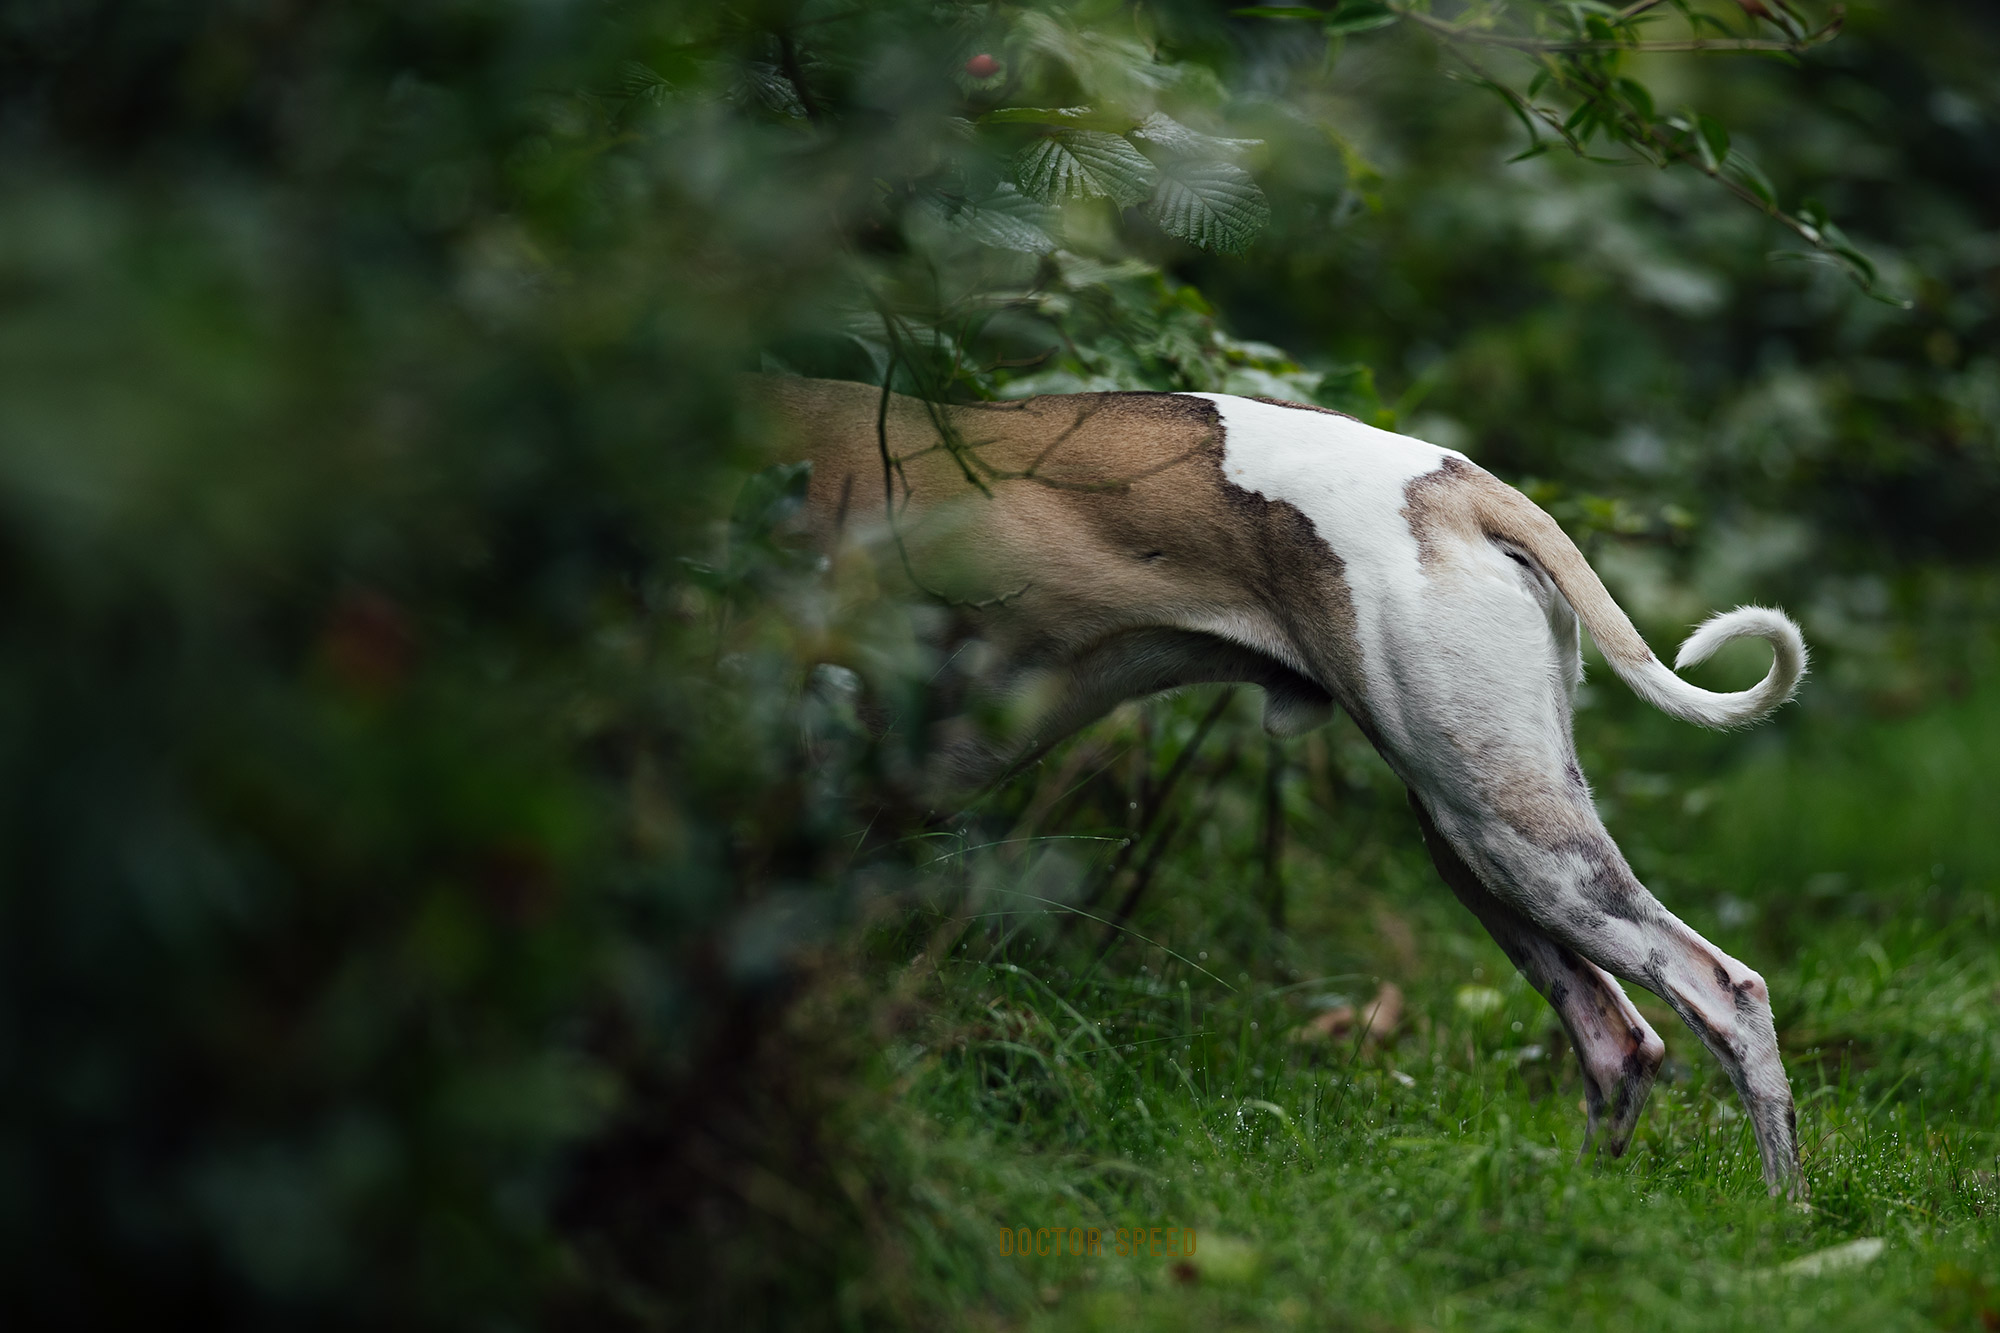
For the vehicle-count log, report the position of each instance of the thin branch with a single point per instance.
(981, 473)
(1157, 802)
(1274, 832)
(1143, 879)
(1557, 46)
(890, 471)
(1645, 138)
(795, 74)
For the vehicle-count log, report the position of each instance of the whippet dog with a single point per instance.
(1099, 547)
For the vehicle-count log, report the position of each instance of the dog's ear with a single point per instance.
(1295, 712)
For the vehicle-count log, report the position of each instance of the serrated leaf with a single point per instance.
(1163, 131)
(1084, 164)
(1109, 67)
(1278, 12)
(1214, 205)
(1082, 271)
(1360, 16)
(642, 83)
(1074, 117)
(764, 84)
(1006, 220)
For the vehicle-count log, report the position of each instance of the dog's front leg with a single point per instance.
(1618, 1050)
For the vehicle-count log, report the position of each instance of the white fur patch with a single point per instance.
(1349, 479)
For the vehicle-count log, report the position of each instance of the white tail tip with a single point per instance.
(1672, 695)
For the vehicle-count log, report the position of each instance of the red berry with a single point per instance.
(982, 66)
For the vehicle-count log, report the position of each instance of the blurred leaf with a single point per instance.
(1084, 164)
(1713, 142)
(1078, 117)
(1214, 205)
(1164, 132)
(764, 85)
(1354, 16)
(1747, 173)
(1006, 219)
(1279, 12)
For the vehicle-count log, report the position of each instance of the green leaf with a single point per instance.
(765, 85)
(1007, 220)
(1213, 205)
(768, 499)
(1711, 141)
(1162, 131)
(1360, 16)
(1862, 263)
(1073, 117)
(642, 83)
(1278, 12)
(1747, 174)
(1639, 97)
(1084, 164)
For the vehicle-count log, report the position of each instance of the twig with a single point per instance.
(1646, 139)
(795, 74)
(890, 471)
(1158, 801)
(1143, 879)
(1559, 46)
(1274, 833)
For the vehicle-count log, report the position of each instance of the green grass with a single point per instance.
(1432, 1181)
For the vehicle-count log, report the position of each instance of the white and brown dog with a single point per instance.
(1116, 545)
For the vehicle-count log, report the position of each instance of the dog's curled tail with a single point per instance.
(1509, 514)
(1651, 680)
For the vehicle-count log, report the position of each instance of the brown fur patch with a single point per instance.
(1106, 513)
(1465, 501)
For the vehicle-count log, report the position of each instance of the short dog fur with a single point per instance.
(1126, 543)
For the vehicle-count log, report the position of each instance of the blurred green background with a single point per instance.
(444, 884)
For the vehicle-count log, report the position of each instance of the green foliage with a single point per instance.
(1085, 164)
(456, 871)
